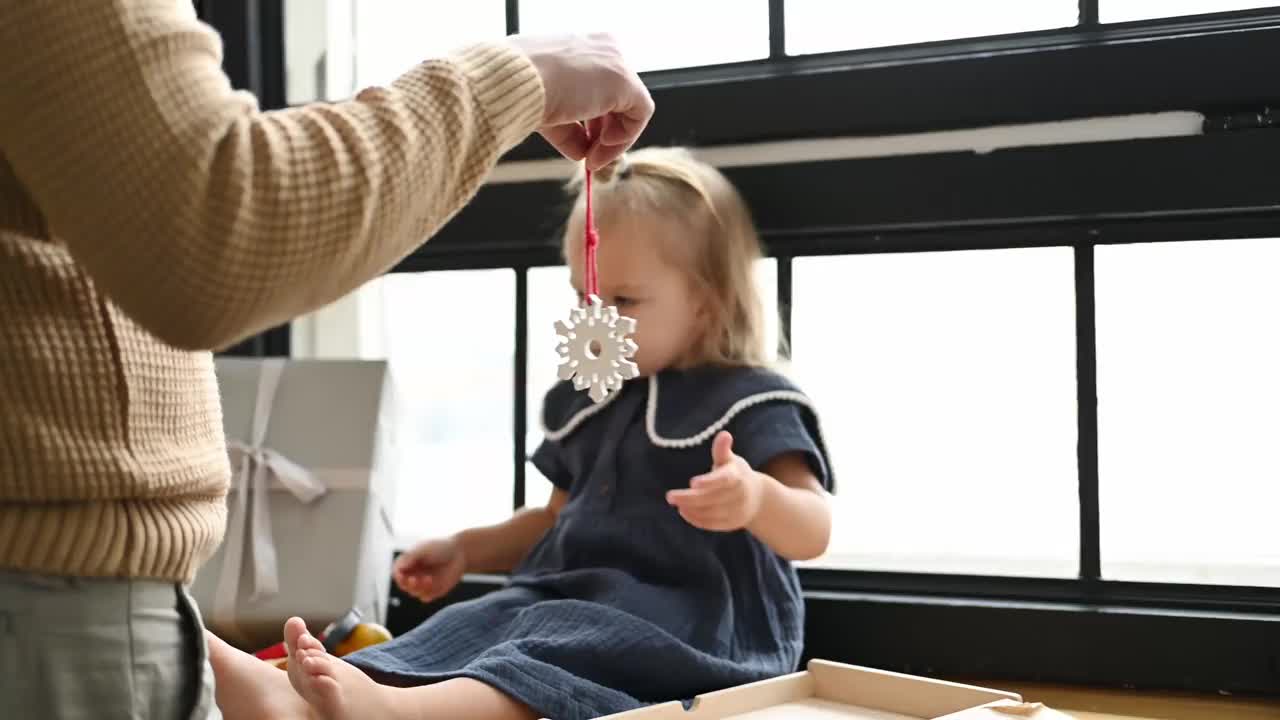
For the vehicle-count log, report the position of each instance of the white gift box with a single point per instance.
(309, 529)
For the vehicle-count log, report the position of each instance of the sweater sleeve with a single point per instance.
(207, 220)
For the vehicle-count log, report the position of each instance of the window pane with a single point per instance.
(815, 26)
(550, 298)
(334, 48)
(767, 284)
(453, 383)
(662, 34)
(392, 36)
(946, 383)
(306, 50)
(1124, 10)
(1189, 411)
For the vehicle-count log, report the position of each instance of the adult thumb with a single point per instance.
(722, 449)
(570, 139)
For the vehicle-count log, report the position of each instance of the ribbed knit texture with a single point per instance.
(149, 214)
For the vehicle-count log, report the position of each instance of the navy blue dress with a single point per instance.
(622, 603)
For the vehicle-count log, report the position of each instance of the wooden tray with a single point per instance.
(833, 691)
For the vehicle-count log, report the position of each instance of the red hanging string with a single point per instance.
(592, 239)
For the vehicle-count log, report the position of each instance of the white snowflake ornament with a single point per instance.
(595, 350)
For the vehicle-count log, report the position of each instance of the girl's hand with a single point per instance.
(430, 569)
(727, 498)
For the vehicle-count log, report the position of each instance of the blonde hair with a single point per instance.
(718, 253)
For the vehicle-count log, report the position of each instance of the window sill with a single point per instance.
(1085, 703)
(1059, 641)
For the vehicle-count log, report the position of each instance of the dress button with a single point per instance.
(604, 489)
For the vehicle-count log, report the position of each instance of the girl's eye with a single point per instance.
(623, 301)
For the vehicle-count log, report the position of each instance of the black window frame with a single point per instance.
(1218, 185)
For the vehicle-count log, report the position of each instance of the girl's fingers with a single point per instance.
(702, 498)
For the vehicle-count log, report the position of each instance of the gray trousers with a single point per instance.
(104, 649)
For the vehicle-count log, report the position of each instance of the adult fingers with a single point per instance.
(569, 139)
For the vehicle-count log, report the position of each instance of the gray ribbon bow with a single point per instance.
(255, 467)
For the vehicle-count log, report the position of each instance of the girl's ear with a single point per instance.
(704, 306)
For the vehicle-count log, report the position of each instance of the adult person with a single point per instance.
(148, 214)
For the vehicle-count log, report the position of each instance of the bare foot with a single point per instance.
(335, 689)
(250, 689)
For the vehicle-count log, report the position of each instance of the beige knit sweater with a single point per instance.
(149, 214)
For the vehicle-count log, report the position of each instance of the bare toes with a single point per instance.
(328, 692)
(315, 665)
(294, 629)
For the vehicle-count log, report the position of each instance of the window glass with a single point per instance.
(662, 34)
(1125, 10)
(947, 388)
(816, 26)
(1189, 411)
(452, 372)
(336, 47)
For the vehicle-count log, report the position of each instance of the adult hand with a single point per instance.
(727, 498)
(586, 80)
(430, 569)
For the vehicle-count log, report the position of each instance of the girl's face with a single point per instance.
(634, 276)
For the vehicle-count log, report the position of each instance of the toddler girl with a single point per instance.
(661, 567)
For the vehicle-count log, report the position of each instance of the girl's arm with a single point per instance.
(499, 548)
(794, 516)
(785, 507)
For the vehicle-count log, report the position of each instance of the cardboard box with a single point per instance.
(832, 691)
(309, 528)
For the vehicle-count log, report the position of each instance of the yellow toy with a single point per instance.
(342, 637)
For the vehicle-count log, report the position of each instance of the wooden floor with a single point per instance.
(1090, 704)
